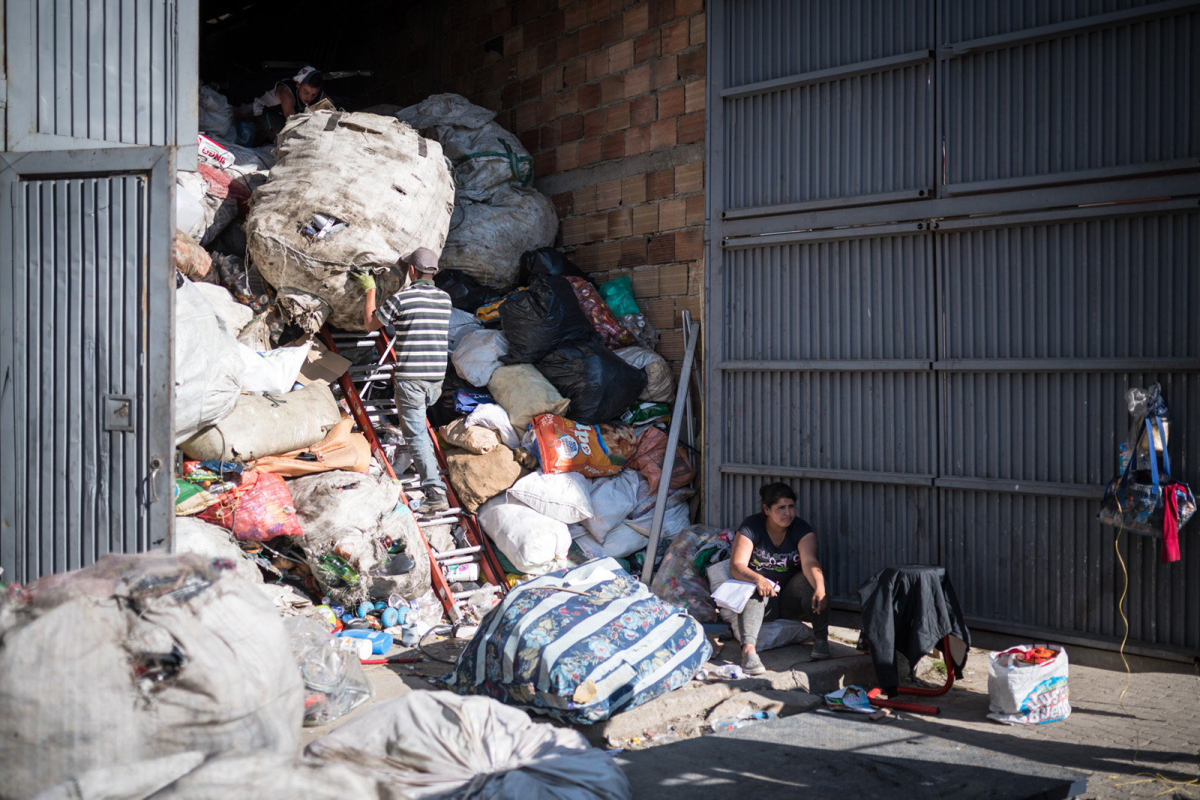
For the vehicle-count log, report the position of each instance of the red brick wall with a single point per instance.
(609, 97)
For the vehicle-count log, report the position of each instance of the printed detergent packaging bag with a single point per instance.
(566, 446)
(1027, 685)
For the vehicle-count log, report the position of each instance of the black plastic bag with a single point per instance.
(443, 411)
(596, 381)
(542, 318)
(466, 293)
(546, 261)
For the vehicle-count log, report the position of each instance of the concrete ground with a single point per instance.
(1146, 744)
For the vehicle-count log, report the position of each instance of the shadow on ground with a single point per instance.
(835, 757)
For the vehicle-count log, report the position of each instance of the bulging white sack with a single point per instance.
(529, 539)
(139, 657)
(497, 215)
(439, 744)
(208, 364)
(389, 186)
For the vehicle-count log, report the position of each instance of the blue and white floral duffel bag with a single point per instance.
(581, 644)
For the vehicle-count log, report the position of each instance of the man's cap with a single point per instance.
(423, 260)
(303, 74)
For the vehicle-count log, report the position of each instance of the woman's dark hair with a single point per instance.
(315, 80)
(772, 493)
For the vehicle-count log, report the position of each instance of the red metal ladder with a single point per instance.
(381, 371)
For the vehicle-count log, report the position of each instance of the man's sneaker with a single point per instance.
(753, 665)
(435, 501)
(820, 650)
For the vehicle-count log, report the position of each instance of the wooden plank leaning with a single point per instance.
(664, 484)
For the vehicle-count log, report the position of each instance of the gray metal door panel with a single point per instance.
(825, 337)
(101, 74)
(799, 143)
(762, 40)
(86, 286)
(862, 526)
(941, 375)
(1038, 354)
(1115, 94)
(793, 95)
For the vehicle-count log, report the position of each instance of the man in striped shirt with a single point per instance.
(421, 316)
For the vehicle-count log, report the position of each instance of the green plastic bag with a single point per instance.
(642, 413)
(618, 293)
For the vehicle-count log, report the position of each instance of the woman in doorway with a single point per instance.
(273, 109)
(777, 552)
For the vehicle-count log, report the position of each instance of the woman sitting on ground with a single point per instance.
(777, 552)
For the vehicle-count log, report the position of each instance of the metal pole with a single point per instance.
(689, 417)
(664, 483)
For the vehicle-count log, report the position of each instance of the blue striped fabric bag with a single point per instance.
(580, 645)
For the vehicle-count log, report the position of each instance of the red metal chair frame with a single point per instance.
(917, 708)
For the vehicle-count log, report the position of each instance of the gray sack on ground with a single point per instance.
(353, 513)
(193, 776)
(391, 188)
(263, 425)
(139, 657)
(439, 744)
(498, 215)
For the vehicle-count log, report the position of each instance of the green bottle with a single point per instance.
(336, 570)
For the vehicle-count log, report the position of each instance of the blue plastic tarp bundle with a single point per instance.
(580, 645)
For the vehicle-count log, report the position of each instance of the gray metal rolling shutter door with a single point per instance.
(924, 305)
(93, 118)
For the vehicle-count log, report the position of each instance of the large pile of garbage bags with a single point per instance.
(165, 677)
(297, 554)
(554, 407)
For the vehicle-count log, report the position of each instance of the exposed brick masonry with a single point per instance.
(594, 82)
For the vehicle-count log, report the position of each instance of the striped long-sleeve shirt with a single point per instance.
(421, 316)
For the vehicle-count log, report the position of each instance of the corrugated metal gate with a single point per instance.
(929, 287)
(95, 97)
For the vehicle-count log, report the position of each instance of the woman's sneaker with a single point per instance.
(753, 665)
(820, 650)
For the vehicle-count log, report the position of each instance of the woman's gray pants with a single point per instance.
(794, 601)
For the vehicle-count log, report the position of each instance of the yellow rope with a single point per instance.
(1121, 603)
(1137, 734)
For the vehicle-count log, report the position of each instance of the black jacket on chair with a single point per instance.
(909, 610)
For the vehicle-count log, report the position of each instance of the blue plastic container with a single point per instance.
(381, 641)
